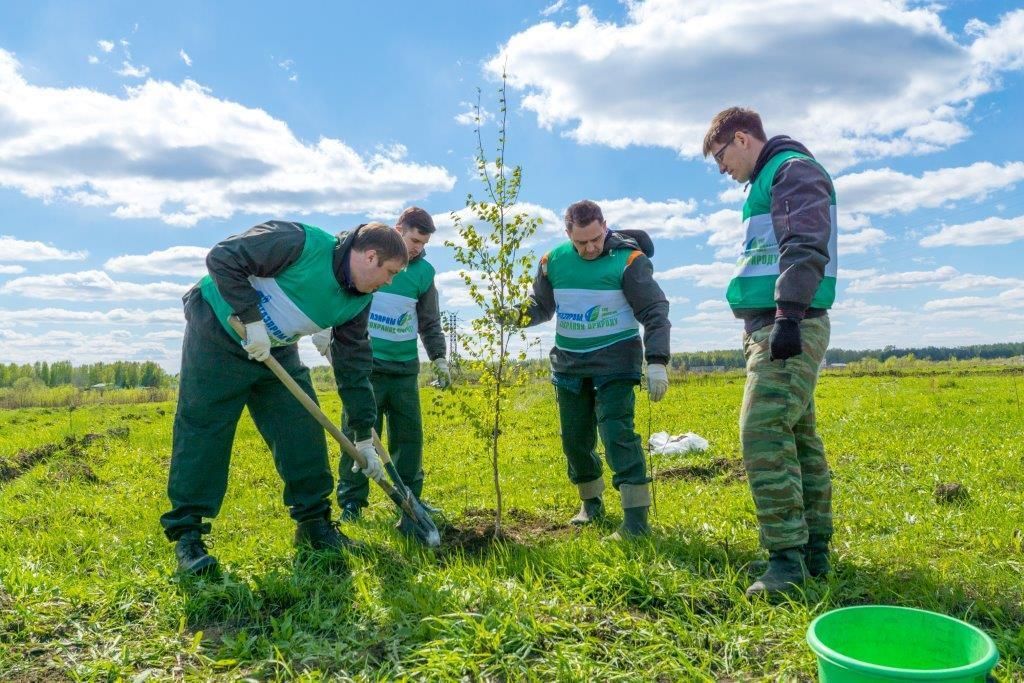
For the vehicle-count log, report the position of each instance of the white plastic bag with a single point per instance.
(663, 444)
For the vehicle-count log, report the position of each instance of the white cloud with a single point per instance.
(468, 117)
(89, 285)
(11, 270)
(852, 274)
(733, 195)
(177, 153)
(673, 64)
(988, 231)
(907, 280)
(13, 249)
(665, 219)
(183, 261)
(860, 242)
(81, 348)
(884, 190)
(116, 316)
(130, 70)
(550, 225)
(1011, 298)
(93, 59)
(702, 274)
(184, 57)
(553, 8)
(288, 66)
(105, 45)
(969, 281)
(452, 289)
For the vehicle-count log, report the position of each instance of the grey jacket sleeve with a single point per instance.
(264, 251)
(429, 316)
(801, 199)
(352, 362)
(650, 306)
(541, 305)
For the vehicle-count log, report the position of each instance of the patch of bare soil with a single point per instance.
(474, 532)
(732, 470)
(73, 447)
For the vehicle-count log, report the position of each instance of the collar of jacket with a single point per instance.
(342, 268)
(776, 144)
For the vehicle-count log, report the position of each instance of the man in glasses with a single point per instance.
(782, 288)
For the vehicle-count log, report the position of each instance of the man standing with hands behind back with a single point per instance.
(599, 285)
(783, 286)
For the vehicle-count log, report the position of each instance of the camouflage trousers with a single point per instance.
(782, 452)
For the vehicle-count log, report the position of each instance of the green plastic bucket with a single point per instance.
(882, 643)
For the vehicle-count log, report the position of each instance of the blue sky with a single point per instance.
(134, 138)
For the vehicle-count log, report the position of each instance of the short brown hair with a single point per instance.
(415, 217)
(582, 213)
(383, 239)
(730, 121)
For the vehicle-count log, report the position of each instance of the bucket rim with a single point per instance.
(985, 663)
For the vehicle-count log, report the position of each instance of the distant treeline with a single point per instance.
(121, 374)
(734, 358)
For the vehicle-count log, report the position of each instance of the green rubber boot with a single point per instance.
(816, 555)
(786, 571)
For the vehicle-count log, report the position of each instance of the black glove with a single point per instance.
(784, 341)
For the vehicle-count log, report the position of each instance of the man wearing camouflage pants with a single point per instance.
(782, 289)
(400, 312)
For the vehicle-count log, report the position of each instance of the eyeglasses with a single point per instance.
(721, 152)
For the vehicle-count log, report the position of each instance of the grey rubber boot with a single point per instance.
(786, 571)
(636, 502)
(591, 510)
(816, 555)
(192, 556)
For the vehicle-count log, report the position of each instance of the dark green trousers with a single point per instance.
(398, 400)
(607, 408)
(217, 380)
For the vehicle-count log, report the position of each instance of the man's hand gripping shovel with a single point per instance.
(423, 526)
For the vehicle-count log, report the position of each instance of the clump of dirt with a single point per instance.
(474, 530)
(73, 447)
(73, 470)
(731, 469)
(951, 492)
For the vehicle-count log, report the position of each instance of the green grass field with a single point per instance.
(87, 590)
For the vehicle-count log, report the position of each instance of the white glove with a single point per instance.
(322, 342)
(657, 381)
(257, 341)
(444, 375)
(374, 467)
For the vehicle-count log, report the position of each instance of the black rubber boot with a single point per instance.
(816, 555)
(192, 556)
(591, 510)
(351, 510)
(786, 571)
(322, 534)
(634, 525)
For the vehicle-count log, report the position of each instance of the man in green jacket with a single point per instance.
(282, 280)
(600, 287)
(400, 312)
(783, 286)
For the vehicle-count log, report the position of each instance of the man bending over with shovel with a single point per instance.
(598, 285)
(400, 312)
(282, 280)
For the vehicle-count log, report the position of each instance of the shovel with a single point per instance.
(424, 528)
